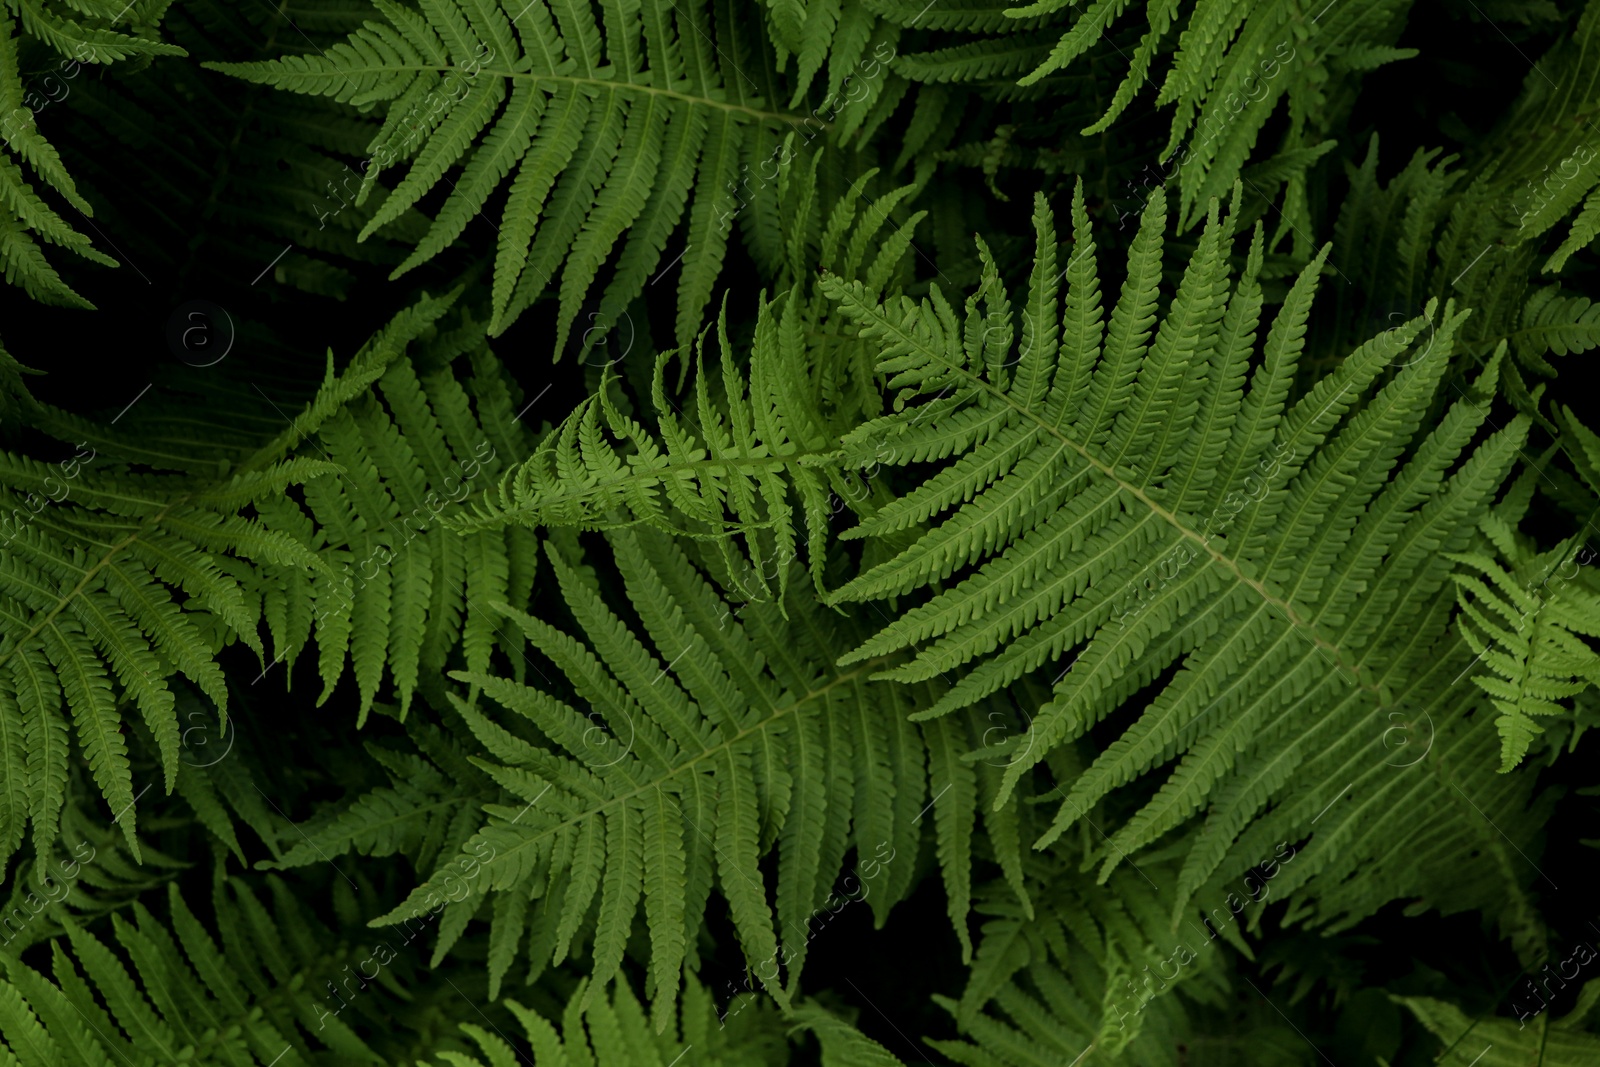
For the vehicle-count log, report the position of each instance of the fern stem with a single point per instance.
(607, 83)
(1294, 617)
(83, 583)
(849, 677)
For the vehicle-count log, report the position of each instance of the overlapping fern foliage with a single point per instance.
(1230, 69)
(1131, 497)
(265, 171)
(611, 135)
(88, 34)
(805, 532)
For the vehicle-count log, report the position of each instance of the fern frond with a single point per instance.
(731, 463)
(113, 578)
(730, 466)
(1103, 972)
(1557, 322)
(725, 739)
(612, 1031)
(1126, 498)
(403, 592)
(81, 606)
(1564, 1042)
(27, 219)
(1232, 68)
(178, 995)
(586, 117)
(1528, 630)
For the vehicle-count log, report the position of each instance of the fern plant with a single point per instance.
(688, 765)
(1486, 233)
(613, 1032)
(924, 656)
(1530, 636)
(729, 463)
(1097, 974)
(265, 171)
(1135, 591)
(1505, 1043)
(86, 36)
(397, 594)
(1231, 67)
(1125, 499)
(115, 580)
(737, 475)
(184, 996)
(609, 133)
(98, 556)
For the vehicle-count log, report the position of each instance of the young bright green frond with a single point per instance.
(1128, 506)
(732, 463)
(728, 466)
(1528, 629)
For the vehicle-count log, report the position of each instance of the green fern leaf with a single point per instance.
(1529, 640)
(588, 120)
(699, 757)
(1126, 513)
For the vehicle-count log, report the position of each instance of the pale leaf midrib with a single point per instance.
(569, 79)
(656, 781)
(1228, 562)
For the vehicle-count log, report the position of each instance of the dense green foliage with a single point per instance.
(558, 501)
